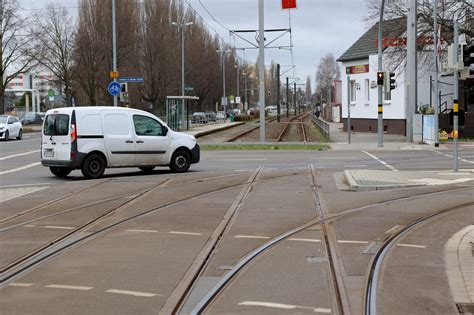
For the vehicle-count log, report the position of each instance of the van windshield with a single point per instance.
(56, 125)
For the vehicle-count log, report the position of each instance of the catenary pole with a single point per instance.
(287, 97)
(114, 47)
(261, 67)
(411, 69)
(278, 93)
(349, 131)
(456, 96)
(294, 97)
(380, 91)
(436, 75)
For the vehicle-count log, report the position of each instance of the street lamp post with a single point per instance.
(181, 27)
(224, 100)
(238, 82)
(114, 47)
(246, 91)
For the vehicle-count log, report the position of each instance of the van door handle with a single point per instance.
(140, 141)
(129, 141)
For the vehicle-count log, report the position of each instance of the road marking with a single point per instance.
(15, 192)
(134, 293)
(21, 168)
(357, 165)
(19, 154)
(352, 242)
(184, 233)
(68, 287)
(411, 245)
(252, 236)
(20, 284)
(393, 229)
(285, 306)
(243, 170)
(380, 161)
(304, 240)
(237, 160)
(25, 185)
(142, 231)
(460, 159)
(29, 225)
(58, 227)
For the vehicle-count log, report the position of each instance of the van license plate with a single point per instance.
(48, 153)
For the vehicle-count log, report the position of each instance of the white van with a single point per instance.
(94, 138)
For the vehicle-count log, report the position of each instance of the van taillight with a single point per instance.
(73, 133)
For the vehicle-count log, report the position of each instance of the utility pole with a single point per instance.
(349, 128)
(456, 96)
(224, 99)
(261, 67)
(246, 92)
(411, 69)
(287, 97)
(114, 47)
(294, 97)
(436, 76)
(238, 82)
(380, 87)
(278, 93)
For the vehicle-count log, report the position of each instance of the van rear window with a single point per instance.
(56, 125)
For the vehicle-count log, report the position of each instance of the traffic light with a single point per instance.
(466, 52)
(390, 81)
(461, 118)
(380, 78)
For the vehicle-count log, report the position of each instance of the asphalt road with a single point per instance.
(163, 233)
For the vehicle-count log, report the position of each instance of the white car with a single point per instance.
(94, 138)
(10, 127)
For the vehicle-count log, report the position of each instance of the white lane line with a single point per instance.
(380, 161)
(184, 233)
(29, 225)
(460, 159)
(20, 284)
(142, 231)
(134, 293)
(238, 160)
(411, 245)
(352, 242)
(243, 170)
(58, 227)
(285, 306)
(25, 185)
(393, 229)
(252, 237)
(16, 155)
(20, 168)
(68, 287)
(313, 240)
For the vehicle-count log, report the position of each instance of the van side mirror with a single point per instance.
(165, 131)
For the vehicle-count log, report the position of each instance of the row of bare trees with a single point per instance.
(78, 51)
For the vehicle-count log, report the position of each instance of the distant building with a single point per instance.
(360, 64)
(43, 82)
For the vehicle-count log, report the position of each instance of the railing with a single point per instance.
(322, 125)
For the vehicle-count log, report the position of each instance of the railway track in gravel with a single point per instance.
(290, 123)
(82, 233)
(341, 300)
(246, 132)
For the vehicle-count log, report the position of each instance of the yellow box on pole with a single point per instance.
(455, 134)
(114, 74)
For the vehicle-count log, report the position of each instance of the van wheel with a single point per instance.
(20, 135)
(147, 169)
(93, 166)
(180, 161)
(60, 171)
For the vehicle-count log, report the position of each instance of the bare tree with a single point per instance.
(55, 49)
(15, 45)
(309, 90)
(327, 72)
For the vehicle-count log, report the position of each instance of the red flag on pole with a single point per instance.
(288, 4)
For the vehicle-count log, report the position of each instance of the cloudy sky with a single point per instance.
(319, 26)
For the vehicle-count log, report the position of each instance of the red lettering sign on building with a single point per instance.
(288, 4)
(357, 69)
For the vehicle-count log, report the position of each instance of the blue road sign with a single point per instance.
(114, 88)
(131, 79)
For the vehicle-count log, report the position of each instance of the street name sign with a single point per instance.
(131, 79)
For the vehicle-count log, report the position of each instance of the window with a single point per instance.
(367, 90)
(146, 126)
(56, 125)
(353, 91)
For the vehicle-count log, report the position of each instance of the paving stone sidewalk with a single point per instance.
(380, 179)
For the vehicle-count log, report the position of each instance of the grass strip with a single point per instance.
(265, 147)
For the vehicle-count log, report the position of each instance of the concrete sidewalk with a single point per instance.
(363, 180)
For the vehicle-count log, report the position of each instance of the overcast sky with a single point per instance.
(319, 26)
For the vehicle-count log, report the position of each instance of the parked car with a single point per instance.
(221, 116)
(10, 127)
(94, 138)
(28, 118)
(254, 110)
(199, 118)
(211, 116)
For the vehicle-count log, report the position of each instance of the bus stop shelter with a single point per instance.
(177, 111)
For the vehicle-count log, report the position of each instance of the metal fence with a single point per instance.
(322, 125)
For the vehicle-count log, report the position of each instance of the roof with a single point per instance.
(366, 45)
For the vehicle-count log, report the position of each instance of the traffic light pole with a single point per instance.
(114, 47)
(349, 129)
(261, 68)
(278, 93)
(380, 91)
(436, 83)
(456, 96)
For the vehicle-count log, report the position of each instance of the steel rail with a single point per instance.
(242, 134)
(231, 274)
(283, 131)
(379, 258)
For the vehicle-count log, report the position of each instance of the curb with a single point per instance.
(208, 132)
(356, 187)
